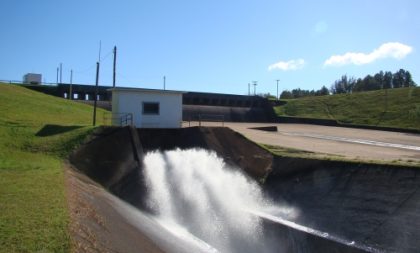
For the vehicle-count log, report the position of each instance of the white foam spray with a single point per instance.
(196, 191)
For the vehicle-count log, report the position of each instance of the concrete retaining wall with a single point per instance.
(331, 122)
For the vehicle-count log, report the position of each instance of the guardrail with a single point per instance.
(23, 83)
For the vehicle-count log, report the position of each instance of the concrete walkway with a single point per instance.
(346, 142)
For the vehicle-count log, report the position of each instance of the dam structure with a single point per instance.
(195, 105)
(209, 189)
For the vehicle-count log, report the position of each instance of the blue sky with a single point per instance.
(210, 46)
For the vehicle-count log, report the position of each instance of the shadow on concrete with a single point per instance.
(267, 128)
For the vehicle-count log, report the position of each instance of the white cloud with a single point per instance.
(287, 65)
(394, 50)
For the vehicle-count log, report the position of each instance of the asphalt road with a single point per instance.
(350, 143)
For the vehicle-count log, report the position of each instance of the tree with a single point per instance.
(387, 80)
(371, 83)
(408, 81)
(322, 92)
(344, 85)
(267, 96)
(379, 79)
(359, 85)
(286, 95)
(398, 79)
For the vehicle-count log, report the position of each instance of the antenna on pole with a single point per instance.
(96, 94)
(115, 65)
(255, 83)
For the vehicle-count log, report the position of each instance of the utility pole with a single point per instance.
(61, 72)
(164, 82)
(71, 85)
(96, 94)
(277, 94)
(100, 48)
(115, 65)
(249, 89)
(255, 85)
(57, 74)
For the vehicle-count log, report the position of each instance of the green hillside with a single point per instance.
(387, 108)
(36, 134)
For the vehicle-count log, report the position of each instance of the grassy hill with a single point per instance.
(36, 134)
(387, 108)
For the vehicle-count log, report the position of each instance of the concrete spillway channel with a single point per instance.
(320, 206)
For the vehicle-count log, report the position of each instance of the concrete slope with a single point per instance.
(373, 205)
(113, 158)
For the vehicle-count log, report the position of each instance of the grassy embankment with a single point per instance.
(398, 108)
(36, 134)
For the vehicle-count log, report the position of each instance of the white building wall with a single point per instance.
(32, 78)
(131, 101)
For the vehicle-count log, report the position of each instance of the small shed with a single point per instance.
(147, 108)
(32, 78)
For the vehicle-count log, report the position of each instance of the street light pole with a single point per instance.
(255, 85)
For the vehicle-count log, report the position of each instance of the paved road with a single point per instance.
(347, 142)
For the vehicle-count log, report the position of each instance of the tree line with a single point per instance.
(381, 80)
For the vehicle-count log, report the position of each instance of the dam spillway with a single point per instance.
(352, 206)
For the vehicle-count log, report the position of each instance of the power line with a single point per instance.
(93, 65)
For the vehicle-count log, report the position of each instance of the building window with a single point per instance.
(151, 108)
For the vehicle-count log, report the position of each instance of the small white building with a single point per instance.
(32, 78)
(149, 108)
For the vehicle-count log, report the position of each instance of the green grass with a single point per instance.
(388, 108)
(37, 132)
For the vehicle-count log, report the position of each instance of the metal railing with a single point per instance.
(118, 119)
(211, 118)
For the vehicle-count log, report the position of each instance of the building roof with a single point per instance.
(143, 90)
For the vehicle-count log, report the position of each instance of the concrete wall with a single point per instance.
(375, 206)
(225, 113)
(131, 101)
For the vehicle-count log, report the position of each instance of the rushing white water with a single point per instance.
(215, 208)
(194, 190)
